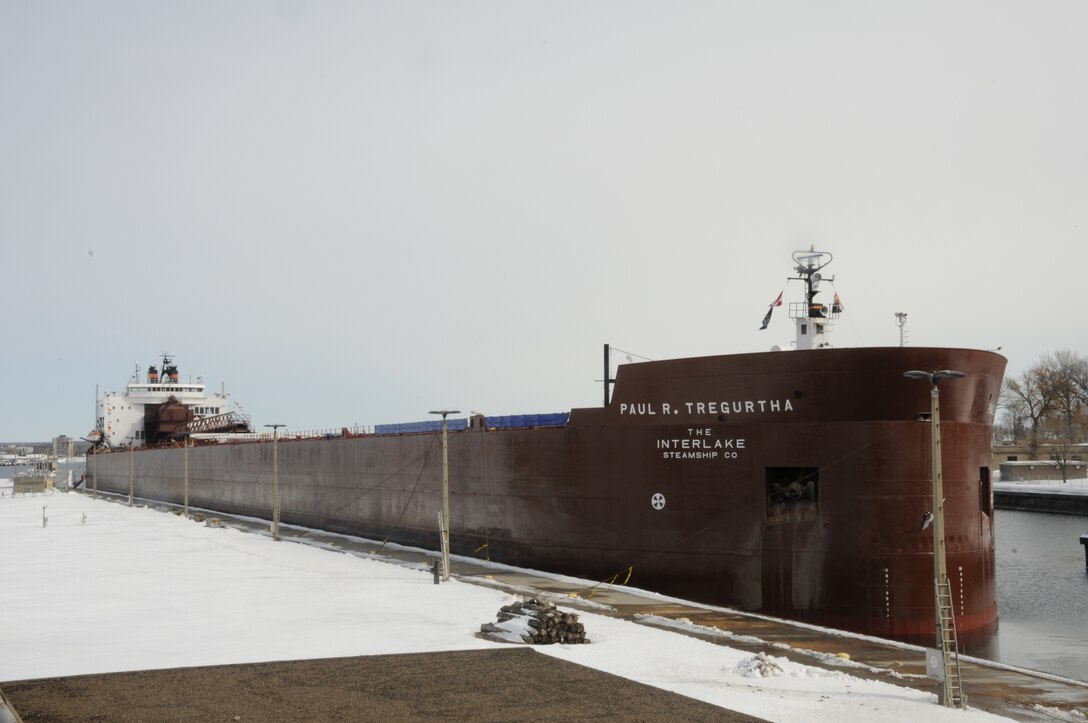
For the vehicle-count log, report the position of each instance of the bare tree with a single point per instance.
(1052, 397)
(1012, 426)
(1078, 378)
(1066, 440)
(1056, 376)
(1029, 395)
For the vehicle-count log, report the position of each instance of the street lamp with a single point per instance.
(131, 471)
(445, 492)
(940, 569)
(186, 482)
(275, 481)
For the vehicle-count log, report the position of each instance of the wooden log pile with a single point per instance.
(535, 623)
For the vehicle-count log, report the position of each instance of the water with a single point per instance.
(8, 473)
(1042, 593)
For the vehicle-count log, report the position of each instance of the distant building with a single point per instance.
(1041, 469)
(1041, 455)
(63, 446)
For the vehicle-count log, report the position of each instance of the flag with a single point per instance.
(767, 318)
(836, 305)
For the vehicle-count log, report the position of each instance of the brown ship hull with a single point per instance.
(792, 483)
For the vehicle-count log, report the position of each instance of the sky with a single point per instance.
(354, 213)
(145, 579)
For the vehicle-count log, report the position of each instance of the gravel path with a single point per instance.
(515, 684)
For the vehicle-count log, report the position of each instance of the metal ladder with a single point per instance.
(952, 694)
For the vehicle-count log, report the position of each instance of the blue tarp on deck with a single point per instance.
(510, 421)
(431, 425)
(514, 421)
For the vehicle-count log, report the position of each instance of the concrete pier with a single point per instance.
(1015, 497)
(997, 688)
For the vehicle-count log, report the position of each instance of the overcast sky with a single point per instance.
(355, 212)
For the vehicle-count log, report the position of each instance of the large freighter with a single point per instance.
(790, 482)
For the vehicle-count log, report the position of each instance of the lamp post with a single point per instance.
(186, 484)
(445, 492)
(940, 569)
(275, 481)
(131, 471)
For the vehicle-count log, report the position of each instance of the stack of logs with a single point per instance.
(545, 625)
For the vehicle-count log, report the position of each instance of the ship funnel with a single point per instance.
(152, 374)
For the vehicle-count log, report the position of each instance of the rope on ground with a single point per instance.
(412, 494)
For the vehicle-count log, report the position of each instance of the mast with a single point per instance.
(901, 322)
(607, 371)
(812, 318)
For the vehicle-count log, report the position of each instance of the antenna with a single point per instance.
(813, 319)
(901, 322)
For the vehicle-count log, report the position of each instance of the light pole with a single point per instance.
(940, 569)
(131, 471)
(445, 493)
(186, 485)
(901, 322)
(275, 481)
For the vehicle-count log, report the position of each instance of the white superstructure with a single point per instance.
(121, 415)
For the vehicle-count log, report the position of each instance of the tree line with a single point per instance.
(1047, 407)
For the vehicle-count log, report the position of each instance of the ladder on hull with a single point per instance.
(951, 693)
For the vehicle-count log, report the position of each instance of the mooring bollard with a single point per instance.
(434, 570)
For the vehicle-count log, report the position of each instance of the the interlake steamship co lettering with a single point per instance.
(701, 444)
(747, 406)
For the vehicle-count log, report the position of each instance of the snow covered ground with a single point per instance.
(1049, 486)
(103, 587)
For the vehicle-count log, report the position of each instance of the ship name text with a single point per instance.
(748, 406)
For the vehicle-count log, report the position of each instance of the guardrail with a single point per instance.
(329, 433)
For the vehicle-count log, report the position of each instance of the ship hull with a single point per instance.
(792, 483)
